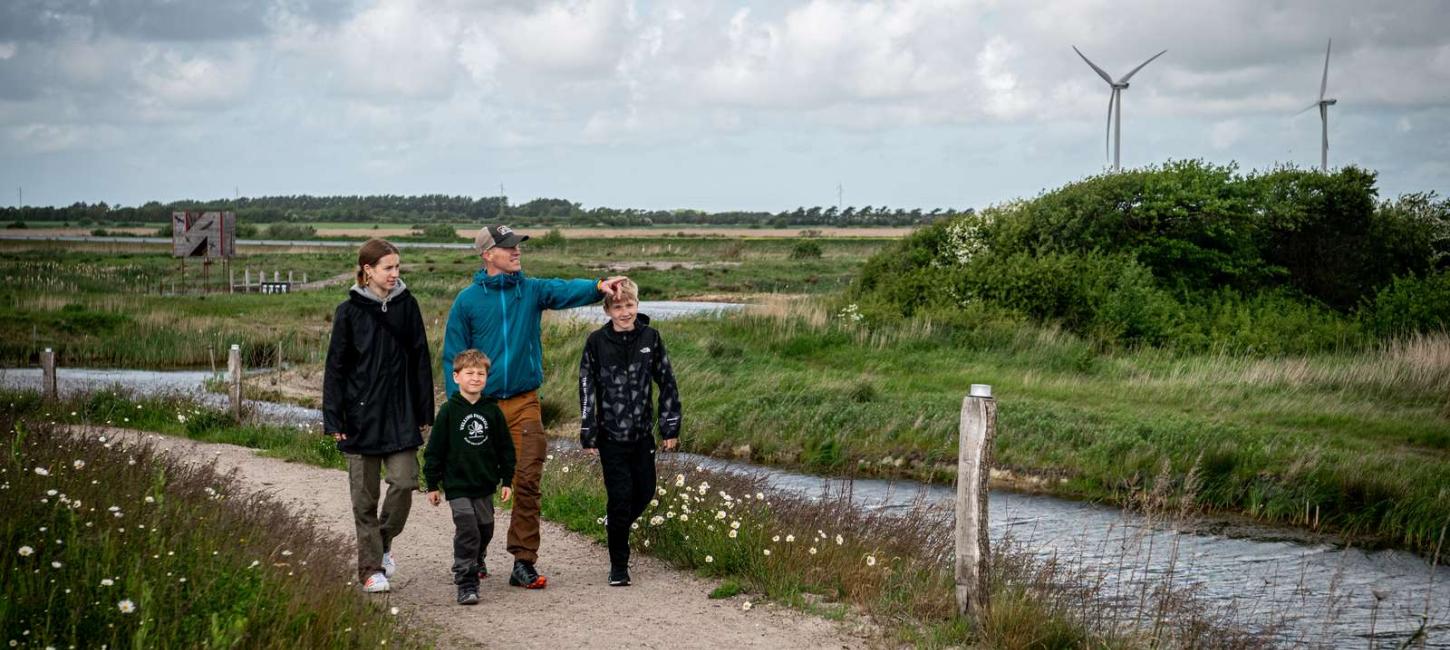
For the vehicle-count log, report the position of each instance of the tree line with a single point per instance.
(439, 208)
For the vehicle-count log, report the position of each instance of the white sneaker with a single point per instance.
(389, 567)
(376, 583)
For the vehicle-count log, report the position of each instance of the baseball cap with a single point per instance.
(497, 235)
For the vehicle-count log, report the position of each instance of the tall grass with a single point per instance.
(107, 544)
(1354, 444)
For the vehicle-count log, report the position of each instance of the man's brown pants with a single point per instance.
(526, 425)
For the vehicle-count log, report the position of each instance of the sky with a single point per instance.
(699, 104)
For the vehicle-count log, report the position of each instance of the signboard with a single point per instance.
(203, 234)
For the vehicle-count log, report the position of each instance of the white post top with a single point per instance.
(981, 390)
(47, 350)
(236, 346)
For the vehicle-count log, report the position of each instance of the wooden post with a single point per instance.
(231, 279)
(211, 354)
(48, 384)
(234, 370)
(974, 461)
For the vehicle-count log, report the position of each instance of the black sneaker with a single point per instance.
(525, 576)
(618, 577)
(467, 596)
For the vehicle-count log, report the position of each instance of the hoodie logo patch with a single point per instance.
(644, 350)
(475, 429)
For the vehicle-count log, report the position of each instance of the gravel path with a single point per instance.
(665, 608)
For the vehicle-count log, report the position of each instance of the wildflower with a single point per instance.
(684, 517)
(840, 540)
(656, 520)
(775, 538)
(150, 499)
(564, 469)
(113, 509)
(719, 514)
(746, 606)
(679, 480)
(654, 503)
(670, 514)
(106, 582)
(662, 492)
(549, 457)
(26, 551)
(42, 471)
(393, 611)
(286, 553)
(210, 492)
(733, 533)
(634, 526)
(55, 565)
(790, 539)
(51, 492)
(760, 496)
(79, 464)
(813, 550)
(709, 559)
(870, 560)
(181, 418)
(766, 552)
(735, 525)
(254, 564)
(126, 606)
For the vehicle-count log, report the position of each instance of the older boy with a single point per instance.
(469, 453)
(616, 418)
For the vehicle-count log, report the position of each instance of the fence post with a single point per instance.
(974, 460)
(234, 370)
(48, 385)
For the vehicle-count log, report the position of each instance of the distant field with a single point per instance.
(397, 230)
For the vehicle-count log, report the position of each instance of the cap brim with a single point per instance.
(514, 239)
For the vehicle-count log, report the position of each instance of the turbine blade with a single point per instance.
(1324, 83)
(1094, 66)
(1108, 134)
(1307, 109)
(1128, 76)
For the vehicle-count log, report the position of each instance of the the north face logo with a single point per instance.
(644, 350)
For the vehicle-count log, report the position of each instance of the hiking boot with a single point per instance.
(525, 576)
(618, 577)
(376, 583)
(389, 567)
(467, 596)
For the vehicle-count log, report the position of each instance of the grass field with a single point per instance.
(1353, 443)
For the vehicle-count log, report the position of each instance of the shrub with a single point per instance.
(284, 230)
(806, 250)
(1412, 304)
(436, 232)
(17, 224)
(554, 237)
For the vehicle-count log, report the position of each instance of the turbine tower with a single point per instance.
(1115, 100)
(1323, 106)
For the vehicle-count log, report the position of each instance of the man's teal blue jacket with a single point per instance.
(498, 315)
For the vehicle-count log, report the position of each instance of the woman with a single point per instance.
(377, 396)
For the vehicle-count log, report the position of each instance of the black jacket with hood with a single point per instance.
(378, 385)
(615, 395)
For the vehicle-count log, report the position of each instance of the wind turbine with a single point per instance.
(1323, 105)
(1115, 120)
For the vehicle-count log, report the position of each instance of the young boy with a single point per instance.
(470, 452)
(616, 418)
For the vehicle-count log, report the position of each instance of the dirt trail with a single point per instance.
(665, 608)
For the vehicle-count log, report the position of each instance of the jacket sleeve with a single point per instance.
(588, 413)
(423, 370)
(435, 456)
(503, 447)
(339, 366)
(456, 338)
(566, 294)
(664, 375)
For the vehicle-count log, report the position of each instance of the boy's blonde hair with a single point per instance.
(626, 290)
(471, 358)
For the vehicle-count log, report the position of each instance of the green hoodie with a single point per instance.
(470, 451)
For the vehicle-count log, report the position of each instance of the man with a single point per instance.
(498, 314)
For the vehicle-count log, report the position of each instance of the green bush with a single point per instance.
(1188, 254)
(436, 232)
(1412, 304)
(284, 230)
(806, 250)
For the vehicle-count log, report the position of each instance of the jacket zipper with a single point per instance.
(504, 311)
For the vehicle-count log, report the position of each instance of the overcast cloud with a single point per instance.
(698, 103)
